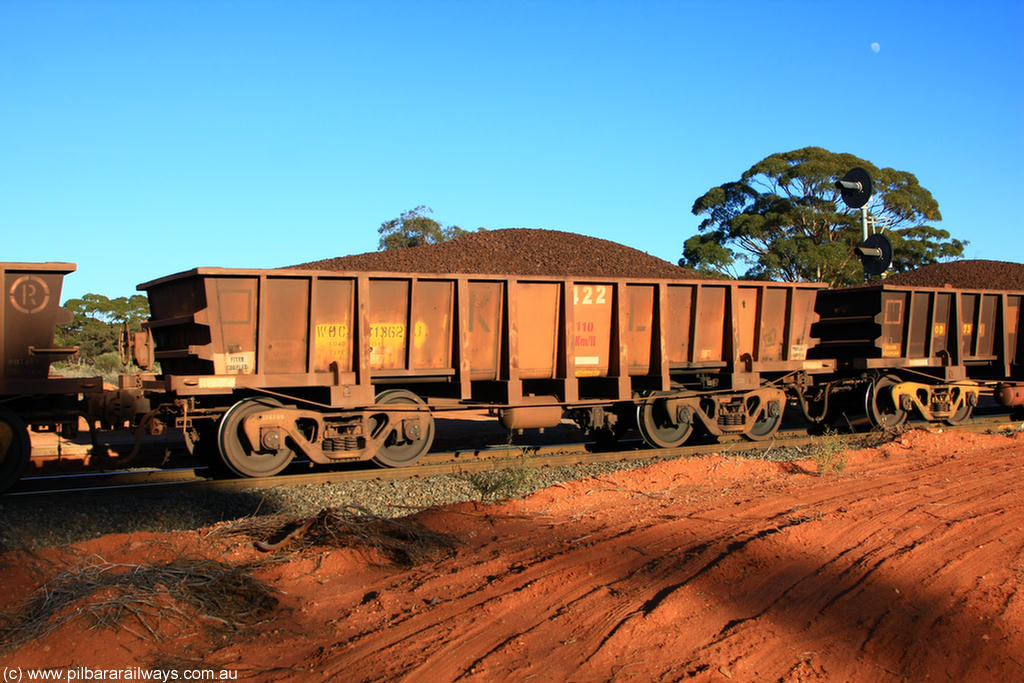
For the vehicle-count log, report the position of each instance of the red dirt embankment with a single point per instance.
(908, 566)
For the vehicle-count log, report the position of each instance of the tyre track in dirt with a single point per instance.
(908, 566)
(863, 571)
(818, 564)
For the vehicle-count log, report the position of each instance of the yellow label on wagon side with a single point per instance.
(382, 333)
(331, 343)
(387, 345)
(419, 334)
(890, 350)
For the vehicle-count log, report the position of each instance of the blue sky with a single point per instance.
(138, 139)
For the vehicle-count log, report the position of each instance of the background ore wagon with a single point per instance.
(933, 350)
(29, 397)
(350, 365)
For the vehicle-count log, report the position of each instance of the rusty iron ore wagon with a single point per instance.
(29, 396)
(260, 365)
(342, 366)
(929, 350)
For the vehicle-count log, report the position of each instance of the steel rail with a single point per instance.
(445, 463)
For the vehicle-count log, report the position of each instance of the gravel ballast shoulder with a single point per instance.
(60, 519)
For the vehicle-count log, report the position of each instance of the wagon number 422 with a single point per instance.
(591, 294)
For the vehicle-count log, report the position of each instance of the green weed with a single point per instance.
(829, 453)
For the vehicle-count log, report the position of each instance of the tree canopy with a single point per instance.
(413, 229)
(98, 324)
(784, 219)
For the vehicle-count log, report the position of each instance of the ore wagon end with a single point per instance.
(929, 350)
(29, 396)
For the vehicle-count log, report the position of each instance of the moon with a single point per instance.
(875, 47)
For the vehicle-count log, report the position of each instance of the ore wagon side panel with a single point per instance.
(533, 339)
(710, 325)
(639, 333)
(29, 397)
(481, 323)
(285, 341)
(1015, 335)
(678, 329)
(771, 336)
(592, 334)
(389, 315)
(333, 305)
(232, 307)
(488, 338)
(432, 309)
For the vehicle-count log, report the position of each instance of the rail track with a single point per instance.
(451, 462)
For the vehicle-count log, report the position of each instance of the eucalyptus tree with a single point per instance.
(784, 219)
(413, 229)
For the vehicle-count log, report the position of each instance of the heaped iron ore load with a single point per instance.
(515, 251)
(367, 354)
(29, 397)
(966, 274)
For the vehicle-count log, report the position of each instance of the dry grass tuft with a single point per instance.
(507, 482)
(114, 595)
(403, 542)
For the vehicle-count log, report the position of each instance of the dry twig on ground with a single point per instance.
(109, 594)
(402, 541)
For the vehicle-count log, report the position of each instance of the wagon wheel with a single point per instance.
(767, 422)
(15, 448)
(881, 410)
(962, 414)
(241, 457)
(658, 428)
(400, 448)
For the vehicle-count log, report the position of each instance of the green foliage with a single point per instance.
(98, 326)
(829, 453)
(414, 229)
(784, 219)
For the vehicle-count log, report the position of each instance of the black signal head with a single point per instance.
(875, 254)
(855, 187)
